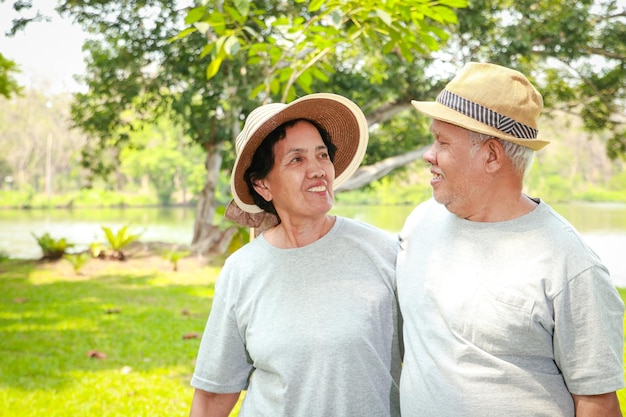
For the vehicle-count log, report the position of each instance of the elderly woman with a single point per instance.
(305, 316)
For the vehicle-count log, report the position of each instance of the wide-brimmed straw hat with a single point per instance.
(490, 99)
(341, 118)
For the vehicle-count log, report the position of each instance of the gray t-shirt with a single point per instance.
(505, 318)
(316, 327)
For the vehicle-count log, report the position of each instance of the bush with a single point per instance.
(118, 241)
(52, 249)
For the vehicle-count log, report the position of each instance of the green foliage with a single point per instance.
(575, 51)
(97, 250)
(388, 191)
(118, 241)
(173, 256)
(78, 260)
(4, 257)
(86, 198)
(52, 249)
(8, 84)
(162, 155)
(297, 46)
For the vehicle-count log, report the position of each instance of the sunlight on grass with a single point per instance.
(119, 340)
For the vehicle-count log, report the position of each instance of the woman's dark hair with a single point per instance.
(263, 159)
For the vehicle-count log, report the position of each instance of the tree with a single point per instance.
(136, 74)
(575, 51)
(38, 144)
(160, 156)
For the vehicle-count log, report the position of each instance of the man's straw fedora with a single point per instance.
(490, 99)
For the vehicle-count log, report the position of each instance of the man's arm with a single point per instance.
(210, 404)
(602, 405)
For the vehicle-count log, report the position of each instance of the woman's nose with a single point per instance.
(316, 169)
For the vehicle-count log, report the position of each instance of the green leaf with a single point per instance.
(320, 75)
(217, 21)
(384, 16)
(208, 48)
(458, 4)
(257, 90)
(304, 81)
(430, 42)
(315, 5)
(243, 7)
(203, 27)
(444, 14)
(274, 86)
(213, 67)
(182, 34)
(231, 45)
(194, 15)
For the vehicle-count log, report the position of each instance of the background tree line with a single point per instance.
(175, 81)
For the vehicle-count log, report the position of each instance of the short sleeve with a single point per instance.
(589, 333)
(222, 365)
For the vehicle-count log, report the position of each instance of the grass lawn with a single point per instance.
(118, 339)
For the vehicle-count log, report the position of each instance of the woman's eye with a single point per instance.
(324, 155)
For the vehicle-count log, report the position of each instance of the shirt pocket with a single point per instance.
(499, 322)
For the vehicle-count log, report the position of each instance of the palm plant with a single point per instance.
(118, 241)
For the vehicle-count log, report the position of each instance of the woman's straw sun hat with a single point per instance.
(341, 118)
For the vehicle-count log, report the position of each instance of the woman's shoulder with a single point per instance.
(363, 232)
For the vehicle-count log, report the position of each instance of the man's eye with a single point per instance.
(324, 155)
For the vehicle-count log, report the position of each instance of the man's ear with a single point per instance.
(261, 187)
(495, 155)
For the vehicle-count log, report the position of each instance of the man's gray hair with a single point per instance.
(520, 156)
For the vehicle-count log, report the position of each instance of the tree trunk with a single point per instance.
(207, 237)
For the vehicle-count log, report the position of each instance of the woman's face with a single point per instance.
(300, 184)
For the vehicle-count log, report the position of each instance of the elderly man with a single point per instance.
(507, 312)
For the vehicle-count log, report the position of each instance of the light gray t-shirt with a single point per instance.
(505, 318)
(317, 326)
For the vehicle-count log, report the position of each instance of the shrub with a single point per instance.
(52, 249)
(77, 260)
(118, 241)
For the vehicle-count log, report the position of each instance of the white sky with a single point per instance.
(48, 53)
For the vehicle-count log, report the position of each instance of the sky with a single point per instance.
(48, 53)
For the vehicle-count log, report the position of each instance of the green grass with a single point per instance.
(137, 313)
(51, 318)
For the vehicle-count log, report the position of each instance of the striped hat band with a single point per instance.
(486, 116)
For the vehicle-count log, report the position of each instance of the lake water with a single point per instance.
(603, 226)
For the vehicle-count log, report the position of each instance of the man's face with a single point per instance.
(457, 174)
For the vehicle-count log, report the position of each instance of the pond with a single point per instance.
(603, 226)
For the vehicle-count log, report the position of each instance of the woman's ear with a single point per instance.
(261, 187)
